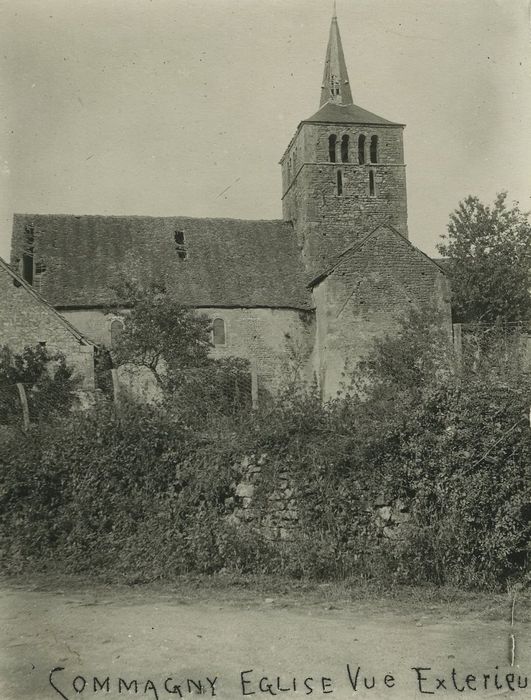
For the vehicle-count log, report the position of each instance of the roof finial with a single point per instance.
(334, 16)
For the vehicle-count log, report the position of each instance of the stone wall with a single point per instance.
(26, 321)
(277, 516)
(363, 298)
(275, 340)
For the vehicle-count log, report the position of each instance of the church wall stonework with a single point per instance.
(94, 323)
(274, 340)
(327, 222)
(363, 298)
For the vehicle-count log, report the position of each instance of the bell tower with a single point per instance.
(343, 173)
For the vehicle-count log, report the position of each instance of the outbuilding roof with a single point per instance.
(204, 262)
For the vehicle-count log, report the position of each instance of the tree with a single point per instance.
(49, 382)
(416, 354)
(488, 251)
(173, 342)
(161, 334)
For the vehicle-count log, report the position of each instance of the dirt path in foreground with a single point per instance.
(162, 646)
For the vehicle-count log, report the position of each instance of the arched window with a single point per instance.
(339, 182)
(361, 149)
(374, 149)
(218, 331)
(371, 183)
(344, 148)
(332, 139)
(117, 328)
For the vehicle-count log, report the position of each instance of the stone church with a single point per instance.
(313, 288)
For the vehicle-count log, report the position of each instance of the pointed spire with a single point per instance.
(336, 87)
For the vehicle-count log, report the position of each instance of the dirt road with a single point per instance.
(148, 643)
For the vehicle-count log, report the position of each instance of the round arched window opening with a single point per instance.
(218, 332)
(332, 140)
(117, 328)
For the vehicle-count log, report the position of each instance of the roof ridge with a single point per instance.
(148, 216)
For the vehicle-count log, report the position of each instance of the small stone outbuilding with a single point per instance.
(27, 320)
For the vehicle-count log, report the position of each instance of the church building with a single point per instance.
(312, 289)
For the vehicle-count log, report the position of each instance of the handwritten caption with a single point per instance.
(424, 679)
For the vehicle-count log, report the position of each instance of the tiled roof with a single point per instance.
(347, 114)
(229, 262)
(357, 246)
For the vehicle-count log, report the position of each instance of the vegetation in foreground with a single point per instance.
(148, 496)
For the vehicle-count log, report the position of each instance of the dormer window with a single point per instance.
(334, 85)
(40, 267)
(180, 245)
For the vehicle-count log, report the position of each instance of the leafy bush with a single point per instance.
(136, 498)
(149, 496)
(220, 389)
(48, 381)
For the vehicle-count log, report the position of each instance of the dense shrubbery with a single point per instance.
(137, 498)
(144, 497)
(50, 386)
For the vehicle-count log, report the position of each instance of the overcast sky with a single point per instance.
(158, 106)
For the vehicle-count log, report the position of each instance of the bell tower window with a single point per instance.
(374, 149)
(361, 149)
(332, 140)
(344, 148)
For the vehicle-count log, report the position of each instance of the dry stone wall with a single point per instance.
(276, 514)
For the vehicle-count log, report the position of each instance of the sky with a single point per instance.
(184, 107)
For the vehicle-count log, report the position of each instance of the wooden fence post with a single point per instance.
(24, 404)
(254, 386)
(115, 391)
(458, 343)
